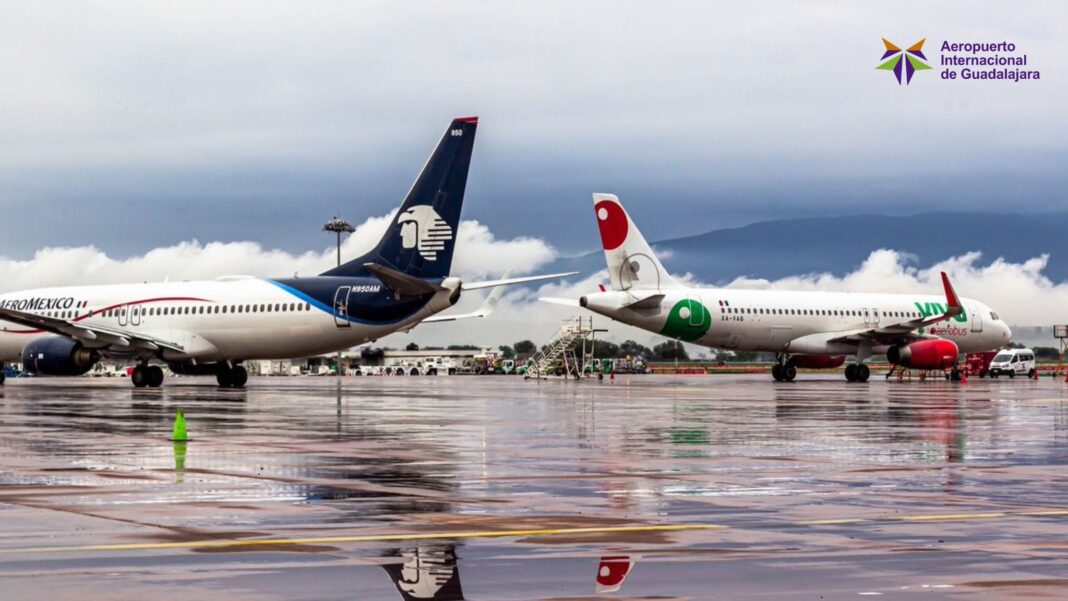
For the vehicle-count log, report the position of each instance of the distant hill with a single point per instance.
(838, 245)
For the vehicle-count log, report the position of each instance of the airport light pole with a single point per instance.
(338, 226)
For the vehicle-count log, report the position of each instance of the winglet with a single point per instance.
(952, 300)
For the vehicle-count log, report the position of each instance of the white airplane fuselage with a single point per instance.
(794, 322)
(235, 319)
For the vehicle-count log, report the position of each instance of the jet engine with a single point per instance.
(818, 361)
(924, 354)
(58, 356)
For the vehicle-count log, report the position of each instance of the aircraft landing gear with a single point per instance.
(784, 370)
(857, 372)
(2, 376)
(147, 376)
(231, 377)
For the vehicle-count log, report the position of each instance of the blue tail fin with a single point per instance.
(422, 236)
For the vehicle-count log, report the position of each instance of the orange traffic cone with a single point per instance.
(1035, 377)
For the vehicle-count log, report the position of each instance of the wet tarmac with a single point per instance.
(719, 487)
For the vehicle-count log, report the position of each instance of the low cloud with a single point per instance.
(1019, 292)
(479, 255)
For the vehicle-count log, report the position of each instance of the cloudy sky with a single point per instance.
(143, 137)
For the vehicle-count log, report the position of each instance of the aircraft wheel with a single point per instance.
(239, 377)
(788, 372)
(155, 376)
(851, 373)
(863, 373)
(225, 376)
(139, 378)
(776, 372)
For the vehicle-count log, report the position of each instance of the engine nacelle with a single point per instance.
(818, 361)
(925, 354)
(58, 356)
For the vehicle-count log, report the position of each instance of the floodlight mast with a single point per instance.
(338, 226)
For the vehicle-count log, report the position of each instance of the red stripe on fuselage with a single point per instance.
(166, 299)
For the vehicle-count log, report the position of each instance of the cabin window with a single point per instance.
(307, 307)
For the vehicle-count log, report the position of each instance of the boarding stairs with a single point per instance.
(558, 357)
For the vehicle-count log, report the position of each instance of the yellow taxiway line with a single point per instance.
(470, 534)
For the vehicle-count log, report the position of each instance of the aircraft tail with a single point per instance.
(420, 240)
(631, 262)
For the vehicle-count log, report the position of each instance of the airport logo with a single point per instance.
(422, 228)
(910, 60)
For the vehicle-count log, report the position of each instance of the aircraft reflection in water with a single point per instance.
(428, 572)
(612, 571)
(431, 572)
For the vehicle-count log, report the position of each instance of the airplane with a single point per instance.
(803, 329)
(211, 327)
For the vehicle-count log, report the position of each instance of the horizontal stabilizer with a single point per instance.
(649, 302)
(567, 302)
(399, 282)
(511, 281)
(487, 307)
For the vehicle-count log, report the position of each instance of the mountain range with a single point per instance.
(838, 245)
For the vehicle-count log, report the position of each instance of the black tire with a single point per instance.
(139, 377)
(225, 377)
(1012, 374)
(239, 377)
(863, 373)
(851, 372)
(2, 377)
(155, 376)
(776, 372)
(1031, 374)
(789, 372)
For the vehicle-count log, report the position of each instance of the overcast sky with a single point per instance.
(131, 125)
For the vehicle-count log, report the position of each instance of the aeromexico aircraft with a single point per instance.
(210, 327)
(804, 329)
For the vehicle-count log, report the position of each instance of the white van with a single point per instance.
(1013, 362)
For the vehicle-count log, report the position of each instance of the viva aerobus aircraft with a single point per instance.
(210, 327)
(804, 329)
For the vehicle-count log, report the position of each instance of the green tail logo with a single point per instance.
(688, 320)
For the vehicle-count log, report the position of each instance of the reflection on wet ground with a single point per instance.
(651, 486)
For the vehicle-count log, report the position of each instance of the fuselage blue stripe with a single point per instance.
(329, 309)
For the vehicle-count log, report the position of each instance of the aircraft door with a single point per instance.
(122, 317)
(341, 307)
(135, 315)
(977, 319)
(874, 318)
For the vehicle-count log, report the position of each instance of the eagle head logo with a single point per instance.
(422, 228)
